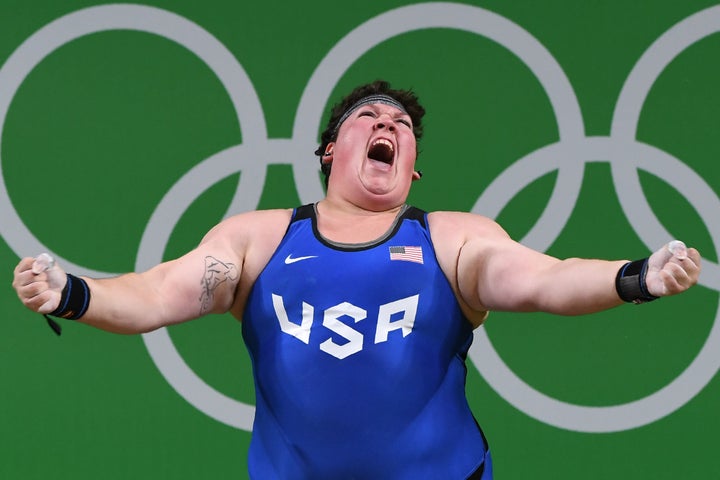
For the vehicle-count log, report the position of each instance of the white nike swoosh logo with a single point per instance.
(289, 259)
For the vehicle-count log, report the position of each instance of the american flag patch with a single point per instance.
(408, 254)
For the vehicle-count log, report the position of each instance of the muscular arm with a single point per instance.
(491, 271)
(212, 278)
(202, 281)
(503, 275)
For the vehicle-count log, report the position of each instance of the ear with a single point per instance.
(328, 155)
(417, 175)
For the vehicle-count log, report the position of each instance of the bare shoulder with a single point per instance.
(253, 237)
(461, 235)
(447, 226)
(451, 232)
(246, 229)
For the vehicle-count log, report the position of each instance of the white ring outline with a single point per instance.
(635, 413)
(244, 99)
(115, 17)
(637, 164)
(483, 354)
(627, 116)
(473, 20)
(160, 346)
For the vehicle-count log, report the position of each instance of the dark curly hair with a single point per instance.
(406, 97)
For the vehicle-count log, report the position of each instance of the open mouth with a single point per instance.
(382, 150)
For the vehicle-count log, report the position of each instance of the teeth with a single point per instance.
(382, 150)
(383, 141)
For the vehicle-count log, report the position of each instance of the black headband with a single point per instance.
(370, 99)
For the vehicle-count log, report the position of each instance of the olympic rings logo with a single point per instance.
(568, 156)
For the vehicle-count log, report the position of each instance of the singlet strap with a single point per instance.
(303, 212)
(414, 213)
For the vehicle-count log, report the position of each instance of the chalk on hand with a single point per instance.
(678, 249)
(42, 263)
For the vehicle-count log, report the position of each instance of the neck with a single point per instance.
(348, 223)
(370, 208)
(359, 201)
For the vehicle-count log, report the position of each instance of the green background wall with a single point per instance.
(99, 130)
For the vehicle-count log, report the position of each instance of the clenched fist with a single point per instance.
(672, 269)
(38, 283)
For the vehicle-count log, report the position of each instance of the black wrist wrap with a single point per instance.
(74, 300)
(630, 282)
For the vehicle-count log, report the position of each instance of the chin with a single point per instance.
(384, 198)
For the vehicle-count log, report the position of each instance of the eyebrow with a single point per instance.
(378, 106)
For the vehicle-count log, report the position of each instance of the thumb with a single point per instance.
(678, 249)
(56, 276)
(655, 280)
(674, 249)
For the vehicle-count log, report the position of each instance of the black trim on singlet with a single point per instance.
(417, 214)
(300, 213)
(306, 211)
(309, 211)
(477, 474)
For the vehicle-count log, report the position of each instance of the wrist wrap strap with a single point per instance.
(74, 300)
(630, 282)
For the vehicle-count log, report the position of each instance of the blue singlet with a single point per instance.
(358, 354)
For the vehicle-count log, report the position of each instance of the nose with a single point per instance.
(385, 122)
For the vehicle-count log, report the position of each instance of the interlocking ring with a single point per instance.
(568, 156)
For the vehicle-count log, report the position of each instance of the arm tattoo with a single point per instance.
(216, 273)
